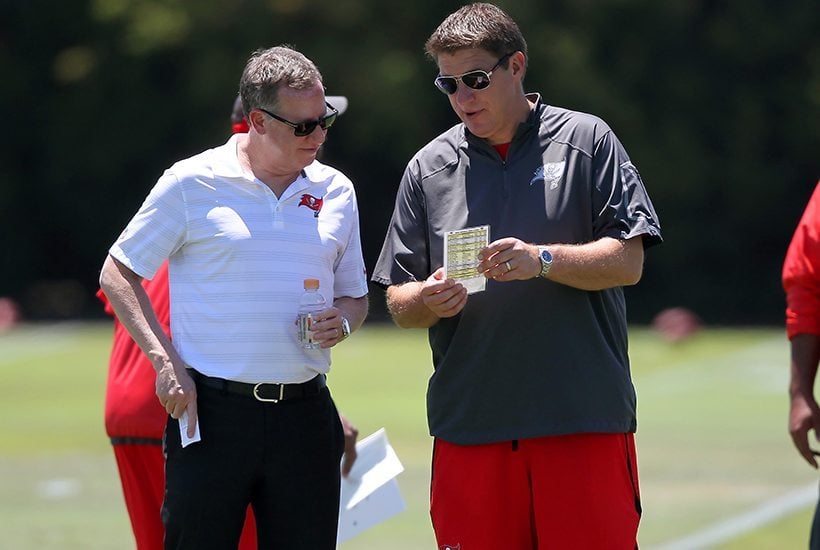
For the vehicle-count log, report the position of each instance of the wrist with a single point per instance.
(546, 260)
(800, 393)
(160, 361)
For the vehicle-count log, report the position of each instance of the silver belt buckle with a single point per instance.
(265, 400)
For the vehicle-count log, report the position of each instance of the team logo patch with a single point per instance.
(450, 547)
(313, 203)
(551, 174)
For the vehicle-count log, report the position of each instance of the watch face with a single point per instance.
(546, 257)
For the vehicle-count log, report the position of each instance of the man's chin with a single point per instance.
(475, 129)
(308, 156)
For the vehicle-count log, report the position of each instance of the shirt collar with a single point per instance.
(226, 165)
(225, 161)
(532, 120)
(312, 173)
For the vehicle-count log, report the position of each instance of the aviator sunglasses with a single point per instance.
(476, 80)
(305, 128)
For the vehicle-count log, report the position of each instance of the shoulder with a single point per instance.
(208, 163)
(440, 153)
(559, 117)
(576, 128)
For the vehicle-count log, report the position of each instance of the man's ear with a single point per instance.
(256, 120)
(518, 63)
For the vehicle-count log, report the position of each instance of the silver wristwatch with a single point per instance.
(546, 260)
(345, 328)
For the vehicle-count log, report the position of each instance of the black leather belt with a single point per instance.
(269, 393)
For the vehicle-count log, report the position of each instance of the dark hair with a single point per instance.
(267, 71)
(479, 25)
(237, 115)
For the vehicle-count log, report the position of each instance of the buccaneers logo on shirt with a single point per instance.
(313, 203)
(551, 174)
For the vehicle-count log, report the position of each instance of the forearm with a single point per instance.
(133, 308)
(406, 306)
(605, 263)
(805, 354)
(353, 309)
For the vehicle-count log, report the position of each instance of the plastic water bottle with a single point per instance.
(310, 302)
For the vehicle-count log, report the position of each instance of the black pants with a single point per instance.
(282, 458)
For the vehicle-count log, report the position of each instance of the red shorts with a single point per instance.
(142, 473)
(574, 491)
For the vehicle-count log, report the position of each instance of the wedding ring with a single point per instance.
(509, 267)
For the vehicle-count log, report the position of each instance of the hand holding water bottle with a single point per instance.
(319, 326)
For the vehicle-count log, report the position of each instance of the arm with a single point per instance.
(604, 263)
(417, 304)
(175, 388)
(804, 413)
(802, 286)
(597, 265)
(623, 224)
(350, 454)
(327, 330)
(353, 309)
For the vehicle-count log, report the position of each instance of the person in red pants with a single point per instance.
(533, 422)
(135, 420)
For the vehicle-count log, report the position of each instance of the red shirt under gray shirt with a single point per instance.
(524, 358)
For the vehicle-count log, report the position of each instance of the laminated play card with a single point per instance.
(461, 248)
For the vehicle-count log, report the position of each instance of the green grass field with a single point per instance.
(712, 435)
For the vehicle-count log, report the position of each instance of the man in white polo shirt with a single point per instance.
(242, 226)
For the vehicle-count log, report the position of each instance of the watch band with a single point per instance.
(546, 261)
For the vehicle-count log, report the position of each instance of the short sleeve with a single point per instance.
(349, 274)
(156, 231)
(405, 255)
(801, 273)
(620, 199)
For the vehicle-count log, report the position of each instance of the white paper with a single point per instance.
(370, 493)
(380, 506)
(183, 430)
(461, 248)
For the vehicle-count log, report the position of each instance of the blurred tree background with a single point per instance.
(716, 102)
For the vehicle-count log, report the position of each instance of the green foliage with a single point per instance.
(717, 104)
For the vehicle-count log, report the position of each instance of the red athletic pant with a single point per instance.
(142, 472)
(574, 491)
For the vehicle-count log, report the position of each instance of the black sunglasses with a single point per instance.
(477, 80)
(305, 128)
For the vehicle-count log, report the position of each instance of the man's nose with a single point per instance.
(318, 135)
(463, 93)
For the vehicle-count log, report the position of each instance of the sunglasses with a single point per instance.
(476, 80)
(305, 128)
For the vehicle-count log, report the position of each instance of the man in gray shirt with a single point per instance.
(531, 402)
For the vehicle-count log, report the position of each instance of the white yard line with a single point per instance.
(749, 521)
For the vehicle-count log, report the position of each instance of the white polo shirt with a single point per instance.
(238, 257)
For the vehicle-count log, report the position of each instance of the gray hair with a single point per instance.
(478, 25)
(268, 71)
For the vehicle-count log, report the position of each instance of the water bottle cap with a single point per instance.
(311, 283)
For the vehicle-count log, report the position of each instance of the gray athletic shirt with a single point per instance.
(524, 358)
